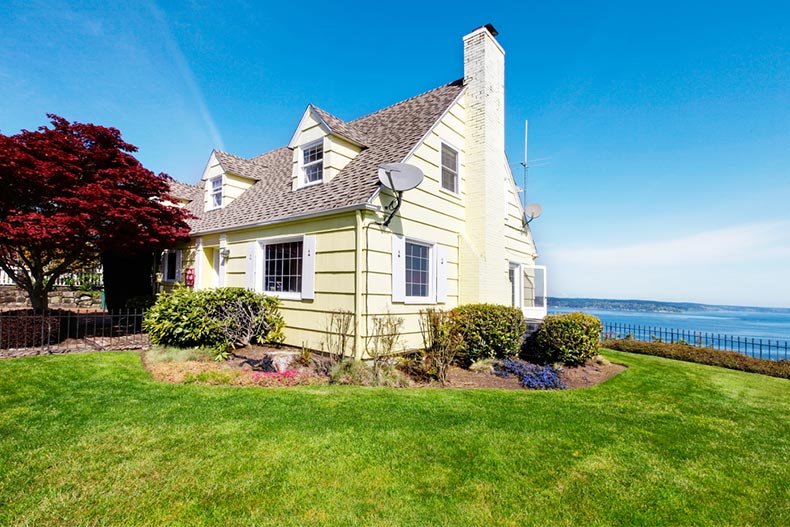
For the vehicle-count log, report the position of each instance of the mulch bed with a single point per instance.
(590, 374)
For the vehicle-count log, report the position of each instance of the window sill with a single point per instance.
(284, 295)
(456, 195)
(311, 184)
(419, 300)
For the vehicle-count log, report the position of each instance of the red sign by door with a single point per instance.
(189, 277)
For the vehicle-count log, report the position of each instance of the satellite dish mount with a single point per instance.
(531, 211)
(398, 177)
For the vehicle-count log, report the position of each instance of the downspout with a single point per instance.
(358, 286)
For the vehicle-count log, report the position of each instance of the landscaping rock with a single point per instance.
(282, 359)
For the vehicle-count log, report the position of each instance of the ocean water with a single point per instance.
(744, 324)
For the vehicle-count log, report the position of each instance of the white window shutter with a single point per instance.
(163, 264)
(398, 268)
(179, 257)
(308, 267)
(441, 274)
(249, 276)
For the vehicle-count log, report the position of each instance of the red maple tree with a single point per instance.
(71, 191)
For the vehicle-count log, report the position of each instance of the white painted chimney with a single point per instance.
(483, 257)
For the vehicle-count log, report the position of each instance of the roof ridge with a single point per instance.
(231, 155)
(404, 101)
(173, 180)
(255, 159)
(328, 113)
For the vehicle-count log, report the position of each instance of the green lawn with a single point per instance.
(91, 440)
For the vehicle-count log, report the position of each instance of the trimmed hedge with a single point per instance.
(489, 330)
(702, 355)
(570, 338)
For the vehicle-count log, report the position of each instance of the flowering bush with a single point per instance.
(532, 376)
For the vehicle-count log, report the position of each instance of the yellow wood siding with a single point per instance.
(428, 213)
(234, 186)
(306, 320)
(337, 154)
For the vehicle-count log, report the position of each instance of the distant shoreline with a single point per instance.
(654, 306)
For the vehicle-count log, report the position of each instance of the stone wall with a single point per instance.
(61, 297)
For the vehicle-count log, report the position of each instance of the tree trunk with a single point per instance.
(39, 297)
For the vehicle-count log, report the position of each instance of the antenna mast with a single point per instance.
(525, 164)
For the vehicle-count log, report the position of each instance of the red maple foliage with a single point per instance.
(69, 192)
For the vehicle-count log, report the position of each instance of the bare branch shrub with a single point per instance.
(443, 340)
(340, 330)
(241, 322)
(381, 344)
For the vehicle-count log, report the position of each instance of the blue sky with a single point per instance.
(664, 126)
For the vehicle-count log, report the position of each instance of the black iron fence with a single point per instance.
(25, 332)
(761, 348)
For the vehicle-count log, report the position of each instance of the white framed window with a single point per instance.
(171, 265)
(312, 161)
(419, 271)
(283, 267)
(215, 193)
(449, 164)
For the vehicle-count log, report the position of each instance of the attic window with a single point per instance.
(449, 163)
(215, 192)
(313, 162)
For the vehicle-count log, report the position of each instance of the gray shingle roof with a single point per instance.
(340, 127)
(389, 135)
(184, 191)
(249, 168)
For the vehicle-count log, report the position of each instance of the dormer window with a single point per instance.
(313, 162)
(215, 192)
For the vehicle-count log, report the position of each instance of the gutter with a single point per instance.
(305, 216)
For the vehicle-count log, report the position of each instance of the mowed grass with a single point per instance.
(91, 439)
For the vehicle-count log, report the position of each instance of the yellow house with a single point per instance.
(305, 222)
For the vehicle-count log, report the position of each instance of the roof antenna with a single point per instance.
(531, 210)
(398, 177)
(525, 163)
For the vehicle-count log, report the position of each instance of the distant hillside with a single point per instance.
(607, 304)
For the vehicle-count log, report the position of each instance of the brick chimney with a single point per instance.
(483, 258)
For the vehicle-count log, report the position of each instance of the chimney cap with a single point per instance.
(491, 29)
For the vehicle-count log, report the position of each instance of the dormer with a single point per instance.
(226, 177)
(322, 146)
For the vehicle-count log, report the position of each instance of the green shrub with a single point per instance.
(703, 355)
(180, 319)
(222, 319)
(571, 338)
(489, 330)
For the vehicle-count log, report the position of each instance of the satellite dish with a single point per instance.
(532, 211)
(400, 176)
